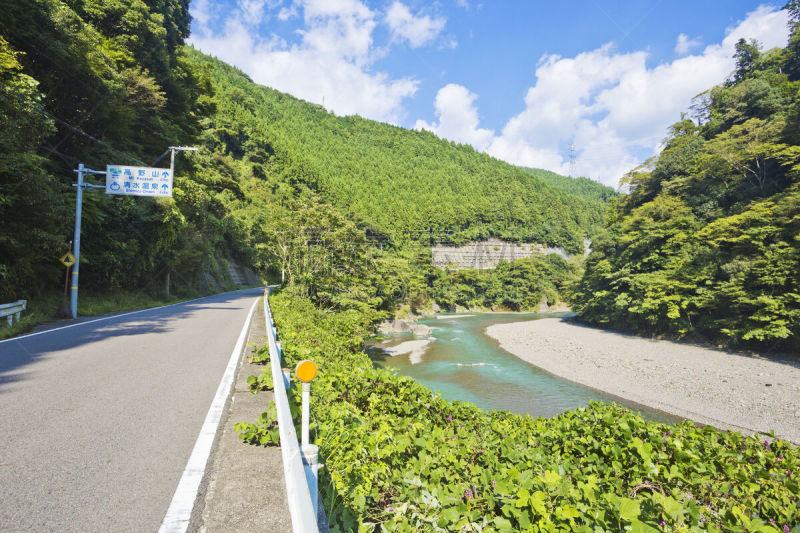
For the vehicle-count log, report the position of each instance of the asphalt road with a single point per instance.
(97, 421)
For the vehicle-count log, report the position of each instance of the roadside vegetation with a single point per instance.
(400, 458)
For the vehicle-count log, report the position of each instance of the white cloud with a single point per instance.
(611, 105)
(331, 62)
(252, 10)
(451, 44)
(338, 29)
(766, 24)
(458, 118)
(287, 13)
(684, 44)
(417, 30)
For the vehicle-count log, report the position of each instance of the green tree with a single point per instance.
(747, 55)
(32, 204)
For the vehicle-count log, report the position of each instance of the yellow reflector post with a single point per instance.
(306, 371)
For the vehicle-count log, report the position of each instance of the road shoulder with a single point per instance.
(244, 487)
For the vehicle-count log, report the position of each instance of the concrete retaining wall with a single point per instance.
(488, 254)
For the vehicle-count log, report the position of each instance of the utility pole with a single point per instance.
(172, 150)
(81, 185)
(76, 240)
(572, 160)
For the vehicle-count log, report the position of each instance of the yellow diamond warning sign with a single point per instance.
(68, 260)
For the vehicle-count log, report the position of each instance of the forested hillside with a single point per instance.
(707, 242)
(112, 82)
(400, 183)
(99, 83)
(589, 190)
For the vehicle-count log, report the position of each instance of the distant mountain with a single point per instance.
(399, 182)
(583, 187)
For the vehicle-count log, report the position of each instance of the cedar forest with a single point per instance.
(703, 243)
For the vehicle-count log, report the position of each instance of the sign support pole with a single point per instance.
(149, 183)
(63, 310)
(73, 296)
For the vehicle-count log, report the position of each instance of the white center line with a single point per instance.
(180, 510)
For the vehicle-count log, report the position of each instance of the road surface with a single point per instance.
(97, 420)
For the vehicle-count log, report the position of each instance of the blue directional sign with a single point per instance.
(138, 181)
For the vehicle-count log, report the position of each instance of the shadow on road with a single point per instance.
(19, 352)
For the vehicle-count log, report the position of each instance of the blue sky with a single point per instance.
(519, 80)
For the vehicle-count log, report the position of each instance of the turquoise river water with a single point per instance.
(465, 364)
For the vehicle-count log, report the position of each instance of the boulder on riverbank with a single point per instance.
(557, 307)
(405, 326)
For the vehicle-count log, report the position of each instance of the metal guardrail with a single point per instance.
(301, 507)
(12, 310)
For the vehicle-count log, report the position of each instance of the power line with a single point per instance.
(100, 97)
(37, 48)
(36, 106)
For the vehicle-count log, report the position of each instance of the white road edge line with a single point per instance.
(180, 509)
(115, 316)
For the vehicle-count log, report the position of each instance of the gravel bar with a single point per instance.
(725, 389)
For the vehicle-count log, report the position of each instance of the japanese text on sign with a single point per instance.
(138, 181)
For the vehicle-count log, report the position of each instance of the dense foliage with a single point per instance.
(515, 286)
(98, 82)
(589, 190)
(707, 242)
(399, 458)
(280, 185)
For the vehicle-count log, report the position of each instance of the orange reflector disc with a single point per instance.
(306, 371)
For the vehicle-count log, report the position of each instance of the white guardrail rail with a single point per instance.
(12, 310)
(301, 507)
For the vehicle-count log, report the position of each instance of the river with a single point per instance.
(465, 364)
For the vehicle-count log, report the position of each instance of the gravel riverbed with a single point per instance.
(725, 389)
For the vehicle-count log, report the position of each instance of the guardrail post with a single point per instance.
(306, 371)
(311, 466)
(12, 311)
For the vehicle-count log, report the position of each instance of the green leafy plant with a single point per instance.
(264, 432)
(261, 382)
(260, 355)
